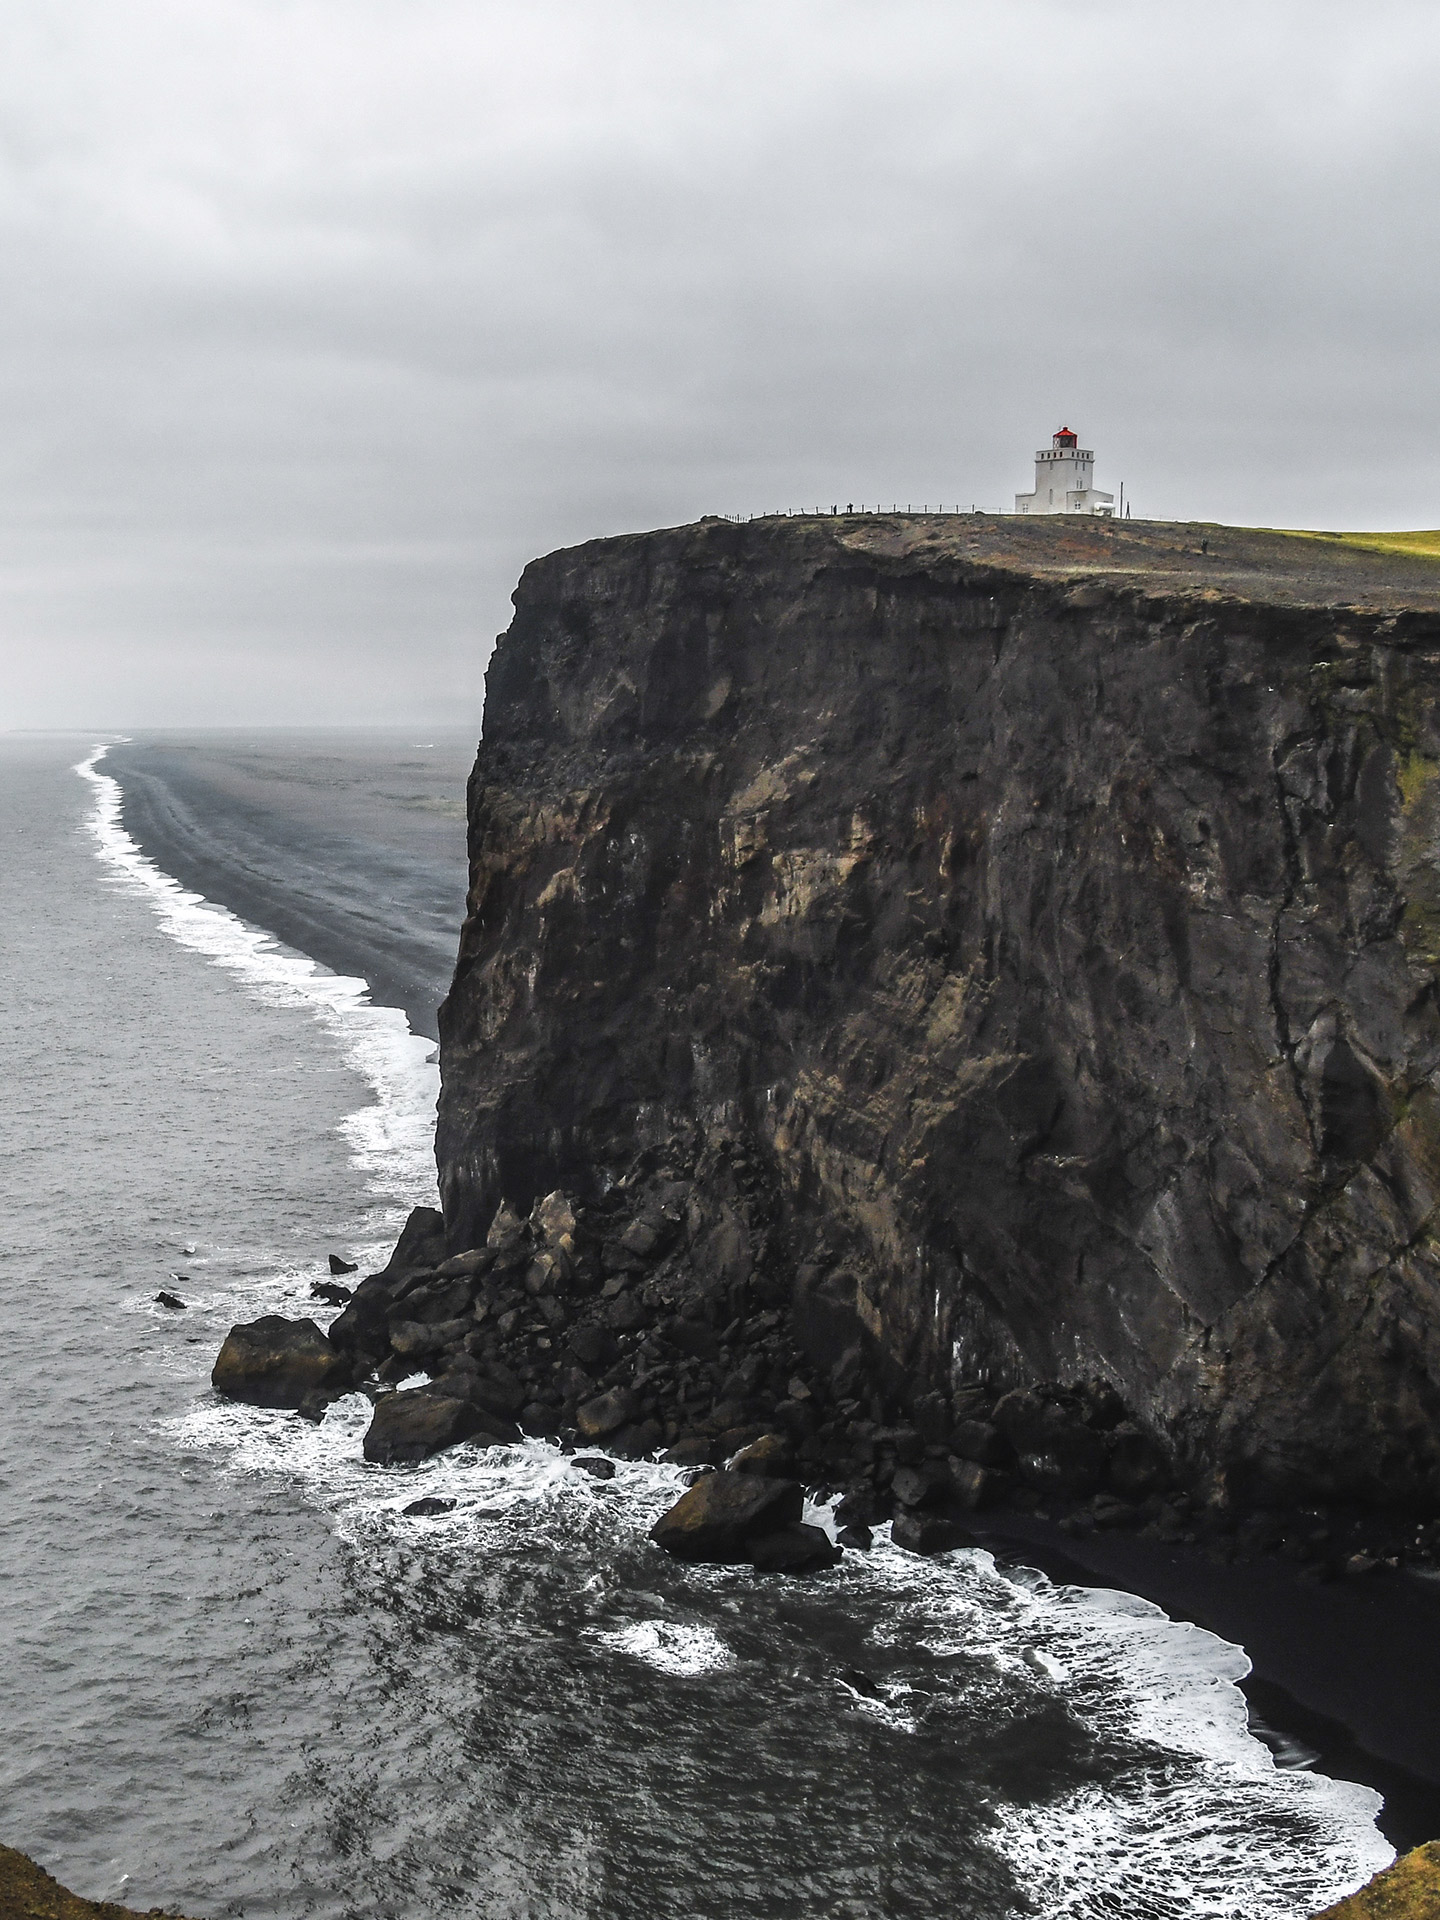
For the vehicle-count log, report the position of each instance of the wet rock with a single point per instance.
(605, 1414)
(862, 1508)
(691, 1450)
(1408, 1890)
(316, 1404)
(858, 1539)
(723, 1513)
(332, 1295)
(920, 1532)
(275, 1362)
(339, 1266)
(594, 1465)
(796, 1549)
(539, 1421)
(926, 1485)
(771, 1454)
(433, 1503)
(416, 1423)
(171, 1300)
(976, 1486)
(638, 1440)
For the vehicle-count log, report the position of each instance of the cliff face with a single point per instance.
(1022, 938)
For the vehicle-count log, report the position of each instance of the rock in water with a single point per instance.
(332, 1295)
(772, 1455)
(724, 1513)
(274, 1362)
(1410, 1890)
(433, 1503)
(339, 1266)
(415, 1424)
(605, 1414)
(920, 1532)
(794, 1549)
(597, 1468)
(171, 1300)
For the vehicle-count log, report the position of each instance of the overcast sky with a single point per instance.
(320, 317)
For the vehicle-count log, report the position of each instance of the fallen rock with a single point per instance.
(925, 1485)
(723, 1513)
(594, 1465)
(859, 1538)
(414, 1424)
(275, 1362)
(422, 1509)
(772, 1454)
(1409, 1890)
(332, 1295)
(413, 1339)
(605, 1414)
(421, 1245)
(540, 1421)
(465, 1265)
(691, 1450)
(339, 1266)
(638, 1440)
(171, 1300)
(982, 1442)
(928, 1533)
(794, 1549)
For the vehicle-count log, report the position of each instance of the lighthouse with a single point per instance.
(1063, 472)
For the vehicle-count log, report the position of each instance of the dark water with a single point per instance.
(239, 1681)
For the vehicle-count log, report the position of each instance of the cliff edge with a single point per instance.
(1021, 938)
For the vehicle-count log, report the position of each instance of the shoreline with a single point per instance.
(1358, 1681)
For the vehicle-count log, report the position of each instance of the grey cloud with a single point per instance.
(321, 318)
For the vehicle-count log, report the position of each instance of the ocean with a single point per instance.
(240, 1680)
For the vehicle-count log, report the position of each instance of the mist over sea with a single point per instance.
(241, 1681)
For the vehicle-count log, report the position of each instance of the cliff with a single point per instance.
(1017, 940)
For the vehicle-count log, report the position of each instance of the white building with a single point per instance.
(1063, 472)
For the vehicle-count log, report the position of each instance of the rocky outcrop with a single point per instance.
(1017, 953)
(1410, 1890)
(27, 1892)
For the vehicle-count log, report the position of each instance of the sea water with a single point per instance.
(239, 1679)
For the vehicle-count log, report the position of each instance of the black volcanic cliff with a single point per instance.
(1019, 939)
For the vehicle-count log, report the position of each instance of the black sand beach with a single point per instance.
(351, 848)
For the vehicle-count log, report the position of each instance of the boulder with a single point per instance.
(718, 1518)
(605, 1414)
(332, 1295)
(1073, 1465)
(772, 1454)
(928, 1533)
(274, 1362)
(464, 1266)
(431, 1504)
(859, 1538)
(414, 1339)
(691, 1450)
(414, 1424)
(794, 1549)
(421, 1245)
(638, 1440)
(553, 1218)
(434, 1301)
(539, 1421)
(171, 1300)
(976, 1486)
(593, 1347)
(597, 1467)
(927, 1485)
(339, 1266)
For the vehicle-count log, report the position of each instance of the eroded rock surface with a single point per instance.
(1017, 945)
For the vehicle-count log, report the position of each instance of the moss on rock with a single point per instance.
(1410, 1890)
(27, 1892)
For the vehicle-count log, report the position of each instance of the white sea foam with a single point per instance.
(1200, 1824)
(391, 1138)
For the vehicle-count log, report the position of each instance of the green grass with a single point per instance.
(1421, 545)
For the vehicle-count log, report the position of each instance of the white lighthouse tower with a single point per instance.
(1063, 472)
